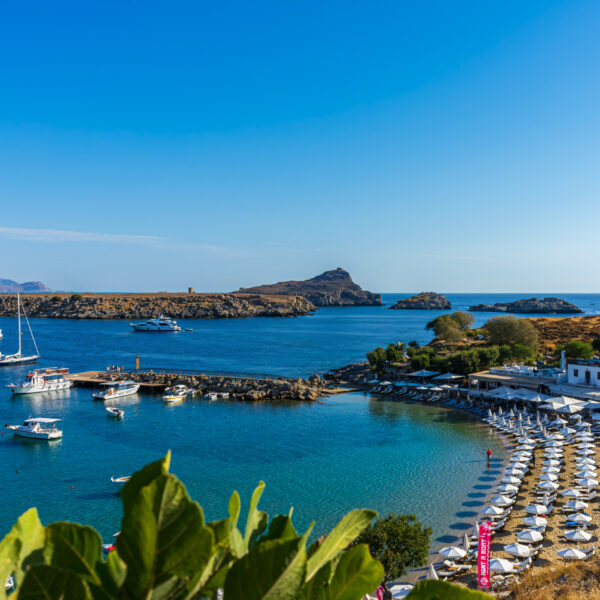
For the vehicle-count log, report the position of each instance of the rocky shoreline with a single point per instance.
(147, 306)
(530, 306)
(250, 390)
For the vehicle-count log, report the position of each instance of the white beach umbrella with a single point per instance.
(501, 565)
(571, 493)
(586, 474)
(453, 552)
(530, 536)
(578, 535)
(585, 452)
(548, 477)
(576, 504)
(466, 542)
(579, 518)
(588, 483)
(535, 521)
(586, 461)
(518, 550)
(552, 470)
(476, 527)
(536, 509)
(586, 446)
(508, 488)
(501, 501)
(554, 444)
(525, 447)
(517, 465)
(492, 511)
(522, 455)
(551, 462)
(510, 479)
(572, 554)
(431, 574)
(555, 455)
(548, 485)
(513, 472)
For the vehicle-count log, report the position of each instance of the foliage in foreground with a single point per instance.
(399, 542)
(441, 590)
(166, 551)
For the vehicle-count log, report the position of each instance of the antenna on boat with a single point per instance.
(30, 332)
(19, 321)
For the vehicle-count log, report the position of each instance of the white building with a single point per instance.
(584, 372)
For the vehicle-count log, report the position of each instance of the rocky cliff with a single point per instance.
(8, 286)
(332, 288)
(423, 301)
(531, 306)
(145, 306)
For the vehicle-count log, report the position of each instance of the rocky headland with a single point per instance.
(530, 306)
(423, 301)
(246, 389)
(332, 288)
(8, 286)
(147, 306)
(562, 330)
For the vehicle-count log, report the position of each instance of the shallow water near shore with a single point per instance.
(323, 459)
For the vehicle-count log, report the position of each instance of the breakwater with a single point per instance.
(147, 306)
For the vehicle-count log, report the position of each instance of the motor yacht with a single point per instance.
(42, 380)
(175, 393)
(34, 428)
(116, 389)
(161, 323)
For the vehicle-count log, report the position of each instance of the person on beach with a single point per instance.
(489, 456)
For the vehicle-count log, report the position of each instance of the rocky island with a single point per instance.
(530, 305)
(8, 286)
(332, 288)
(423, 301)
(146, 306)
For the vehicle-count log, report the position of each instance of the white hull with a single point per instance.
(141, 327)
(116, 394)
(53, 435)
(36, 389)
(16, 359)
(172, 399)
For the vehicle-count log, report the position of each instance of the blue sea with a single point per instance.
(324, 459)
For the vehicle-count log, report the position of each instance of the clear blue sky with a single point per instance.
(448, 146)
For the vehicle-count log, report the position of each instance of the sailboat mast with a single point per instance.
(19, 321)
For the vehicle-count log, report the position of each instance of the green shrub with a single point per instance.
(578, 349)
(510, 330)
(399, 542)
(167, 550)
(76, 297)
(596, 344)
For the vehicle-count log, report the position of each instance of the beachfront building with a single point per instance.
(584, 372)
(513, 376)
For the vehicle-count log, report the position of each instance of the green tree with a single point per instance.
(166, 550)
(488, 356)
(510, 330)
(578, 349)
(421, 360)
(76, 297)
(465, 362)
(505, 352)
(596, 344)
(399, 542)
(452, 327)
(464, 320)
(522, 352)
(377, 359)
(394, 352)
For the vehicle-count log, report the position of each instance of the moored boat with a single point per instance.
(114, 412)
(42, 380)
(116, 389)
(161, 323)
(9, 360)
(119, 481)
(34, 428)
(175, 393)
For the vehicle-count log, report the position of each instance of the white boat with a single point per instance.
(161, 323)
(10, 582)
(175, 393)
(7, 360)
(212, 396)
(42, 380)
(116, 389)
(34, 428)
(120, 480)
(116, 413)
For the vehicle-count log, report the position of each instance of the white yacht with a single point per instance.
(162, 323)
(175, 393)
(42, 380)
(34, 428)
(120, 480)
(7, 360)
(116, 389)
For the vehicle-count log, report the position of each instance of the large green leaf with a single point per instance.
(257, 520)
(111, 573)
(357, 573)
(280, 528)
(341, 535)
(163, 540)
(432, 589)
(144, 477)
(273, 570)
(315, 589)
(22, 546)
(235, 506)
(44, 582)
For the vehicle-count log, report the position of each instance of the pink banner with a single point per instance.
(483, 554)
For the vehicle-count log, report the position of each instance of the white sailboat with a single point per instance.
(7, 360)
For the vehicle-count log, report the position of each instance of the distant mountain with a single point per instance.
(332, 288)
(8, 286)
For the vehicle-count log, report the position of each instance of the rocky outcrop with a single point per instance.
(146, 306)
(8, 286)
(531, 306)
(245, 389)
(332, 288)
(424, 301)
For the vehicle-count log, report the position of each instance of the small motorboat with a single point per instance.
(114, 412)
(116, 389)
(38, 428)
(175, 393)
(212, 396)
(9, 585)
(120, 481)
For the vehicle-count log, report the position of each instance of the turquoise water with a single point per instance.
(324, 459)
